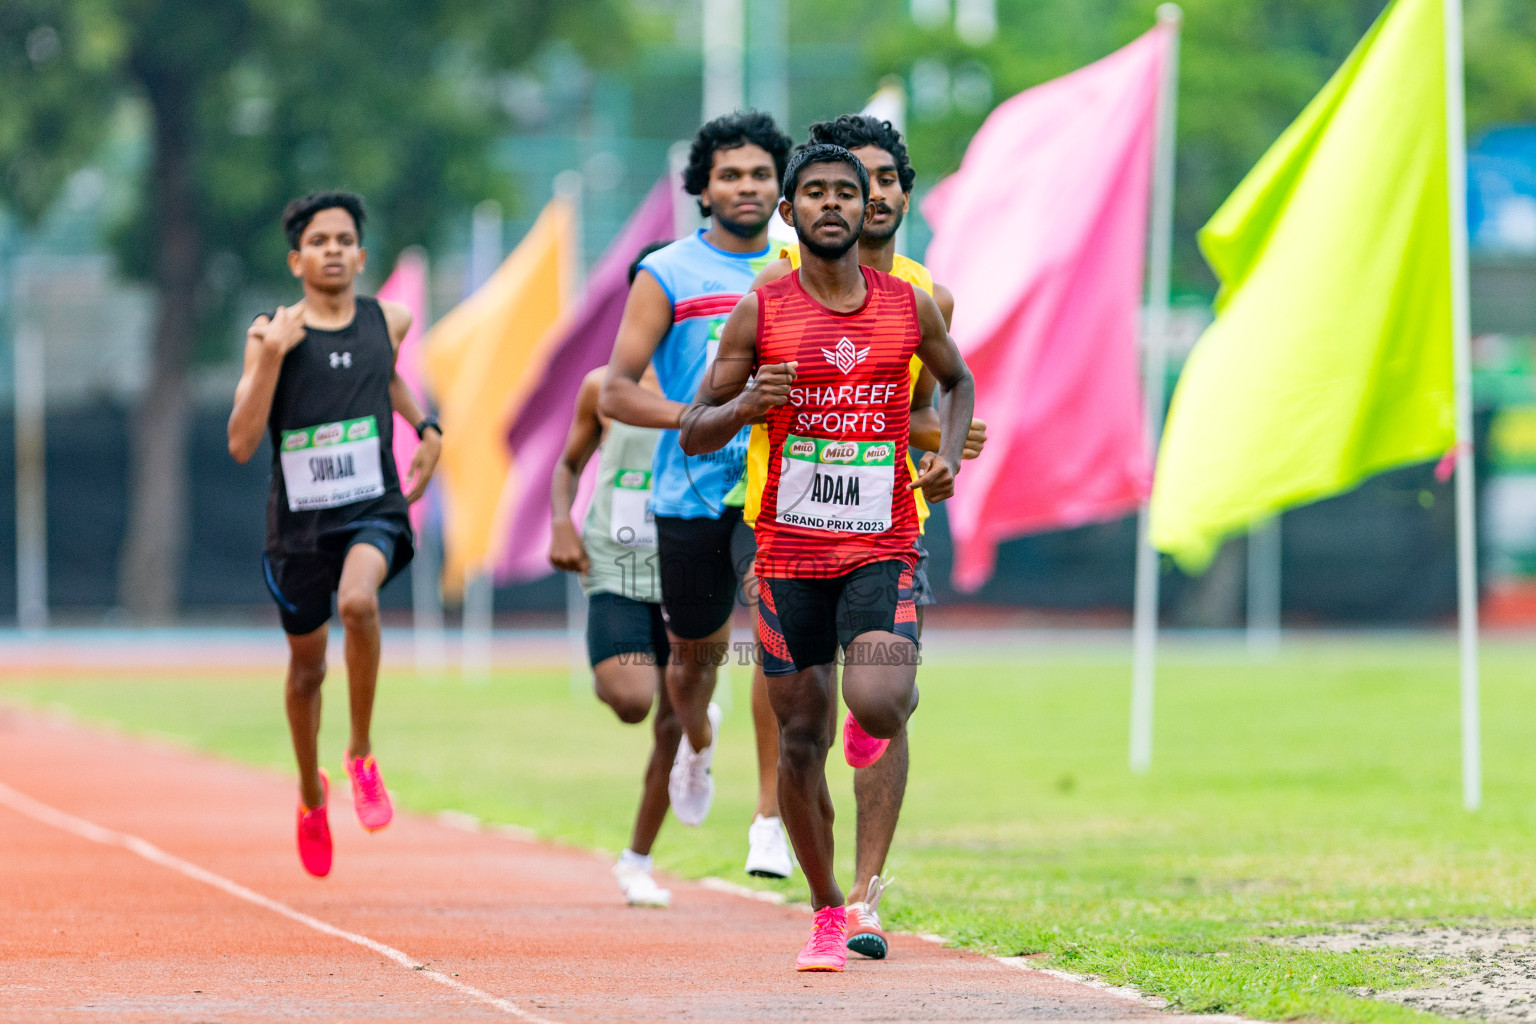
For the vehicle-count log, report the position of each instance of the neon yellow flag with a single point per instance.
(1330, 358)
(481, 360)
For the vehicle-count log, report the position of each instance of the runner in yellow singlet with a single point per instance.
(880, 771)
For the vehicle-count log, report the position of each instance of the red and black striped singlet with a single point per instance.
(836, 495)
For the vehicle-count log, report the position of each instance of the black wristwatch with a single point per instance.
(430, 423)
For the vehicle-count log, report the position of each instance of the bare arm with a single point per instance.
(725, 403)
(266, 343)
(926, 430)
(957, 400)
(566, 550)
(401, 400)
(772, 272)
(647, 319)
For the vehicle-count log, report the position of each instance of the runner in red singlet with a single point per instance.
(830, 346)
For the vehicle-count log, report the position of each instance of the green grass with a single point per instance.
(1286, 796)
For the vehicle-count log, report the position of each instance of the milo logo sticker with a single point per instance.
(715, 329)
(829, 452)
(878, 453)
(844, 452)
(633, 479)
(345, 432)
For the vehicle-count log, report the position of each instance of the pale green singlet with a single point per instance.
(620, 531)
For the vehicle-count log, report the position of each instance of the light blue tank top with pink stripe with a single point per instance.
(704, 284)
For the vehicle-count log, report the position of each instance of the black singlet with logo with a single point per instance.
(330, 379)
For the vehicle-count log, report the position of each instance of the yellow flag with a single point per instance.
(481, 360)
(1330, 358)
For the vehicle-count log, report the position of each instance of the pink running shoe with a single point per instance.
(860, 749)
(315, 834)
(825, 949)
(369, 797)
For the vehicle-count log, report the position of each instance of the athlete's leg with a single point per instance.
(667, 732)
(306, 671)
(698, 590)
(881, 697)
(765, 729)
(357, 603)
(802, 704)
(628, 685)
(692, 671)
(878, 791)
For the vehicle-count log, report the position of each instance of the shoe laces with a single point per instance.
(875, 890)
(366, 771)
(827, 931)
(312, 822)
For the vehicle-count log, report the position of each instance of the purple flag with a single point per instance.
(537, 436)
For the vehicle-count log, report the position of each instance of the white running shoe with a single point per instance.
(690, 786)
(768, 854)
(640, 889)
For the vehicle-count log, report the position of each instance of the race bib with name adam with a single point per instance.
(631, 522)
(836, 485)
(331, 465)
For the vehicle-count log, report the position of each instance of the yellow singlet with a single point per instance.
(910, 271)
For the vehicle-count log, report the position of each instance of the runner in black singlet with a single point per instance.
(319, 380)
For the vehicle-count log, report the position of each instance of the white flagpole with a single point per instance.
(1264, 581)
(1159, 272)
(725, 60)
(485, 254)
(427, 633)
(31, 379)
(1466, 494)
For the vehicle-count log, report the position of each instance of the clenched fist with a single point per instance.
(769, 389)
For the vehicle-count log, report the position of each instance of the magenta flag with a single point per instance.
(407, 285)
(1041, 235)
(538, 434)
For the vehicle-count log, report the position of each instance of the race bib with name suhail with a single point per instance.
(331, 465)
(836, 485)
(631, 522)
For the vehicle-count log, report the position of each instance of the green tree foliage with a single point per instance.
(248, 103)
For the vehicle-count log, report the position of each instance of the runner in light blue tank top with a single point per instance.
(704, 284)
(672, 321)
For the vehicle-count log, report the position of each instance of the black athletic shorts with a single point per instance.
(922, 590)
(620, 626)
(702, 562)
(304, 584)
(802, 622)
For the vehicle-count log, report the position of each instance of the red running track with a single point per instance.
(143, 883)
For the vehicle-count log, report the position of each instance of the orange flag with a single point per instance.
(481, 361)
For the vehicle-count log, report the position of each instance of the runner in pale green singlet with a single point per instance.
(615, 555)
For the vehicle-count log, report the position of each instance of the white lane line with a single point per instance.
(23, 804)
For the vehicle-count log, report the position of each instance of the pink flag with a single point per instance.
(1042, 236)
(407, 285)
(538, 433)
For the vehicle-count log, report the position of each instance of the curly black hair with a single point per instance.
(634, 268)
(298, 214)
(822, 153)
(852, 131)
(730, 132)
